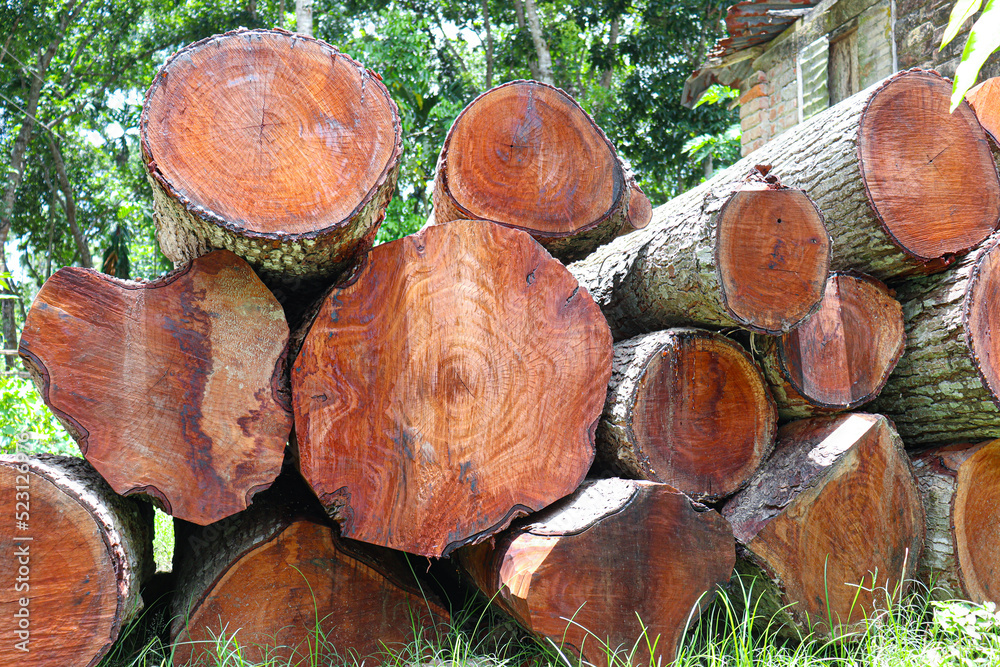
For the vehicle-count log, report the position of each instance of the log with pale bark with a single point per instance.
(830, 529)
(958, 483)
(175, 389)
(929, 192)
(689, 408)
(282, 583)
(842, 356)
(985, 101)
(748, 252)
(454, 385)
(946, 384)
(274, 146)
(619, 568)
(525, 155)
(74, 557)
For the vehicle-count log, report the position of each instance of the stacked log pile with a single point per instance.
(449, 392)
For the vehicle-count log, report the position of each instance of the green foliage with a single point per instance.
(723, 146)
(983, 41)
(28, 426)
(972, 631)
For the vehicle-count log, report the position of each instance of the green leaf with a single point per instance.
(984, 39)
(960, 13)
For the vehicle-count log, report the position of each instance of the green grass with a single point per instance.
(913, 633)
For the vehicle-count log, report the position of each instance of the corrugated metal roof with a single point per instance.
(750, 23)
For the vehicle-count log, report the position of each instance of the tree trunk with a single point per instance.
(489, 43)
(492, 370)
(946, 384)
(541, 47)
(615, 560)
(522, 26)
(749, 253)
(304, 17)
(69, 206)
(830, 528)
(985, 102)
(842, 356)
(932, 193)
(280, 582)
(292, 173)
(555, 175)
(174, 389)
(958, 483)
(73, 565)
(689, 408)
(610, 70)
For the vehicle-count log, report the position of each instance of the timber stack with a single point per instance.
(598, 446)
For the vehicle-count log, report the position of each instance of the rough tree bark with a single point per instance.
(556, 175)
(746, 252)
(492, 370)
(75, 563)
(960, 489)
(174, 389)
(274, 576)
(688, 408)
(929, 176)
(274, 146)
(617, 557)
(945, 387)
(830, 528)
(841, 357)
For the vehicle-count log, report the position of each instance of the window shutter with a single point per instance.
(812, 74)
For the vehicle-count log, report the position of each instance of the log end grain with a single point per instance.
(842, 356)
(773, 257)
(977, 494)
(591, 571)
(174, 389)
(834, 520)
(929, 174)
(455, 385)
(982, 317)
(689, 408)
(985, 101)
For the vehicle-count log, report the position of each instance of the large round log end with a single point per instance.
(982, 317)
(773, 257)
(977, 495)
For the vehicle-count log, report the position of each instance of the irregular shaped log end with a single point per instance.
(171, 384)
(492, 370)
(834, 521)
(842, 356)
(929, 173)
(773, 257)
(695, 413)
(591, 571)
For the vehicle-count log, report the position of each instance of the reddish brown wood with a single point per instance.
(842, 356)
(929, 173)
(279, 581)
(454, 385)
(74, 557)
(689, 408)
(525, 155)
(174, 389)
(273, 145)
(836, 507)
(985, 101)
(592, 571)
(960, 488)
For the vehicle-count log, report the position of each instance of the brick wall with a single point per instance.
(920, 25)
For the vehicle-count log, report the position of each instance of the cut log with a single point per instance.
(944, 388)
(615, 558)
(492, 368)
(75, 555)
(960, 486)
(525, 155)
(274, 146)
(928, 173)
(830, 529)
(689, 408)
(279, 581)
(753, 254)
(985, 101)
(842, 356)
(174, 389)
